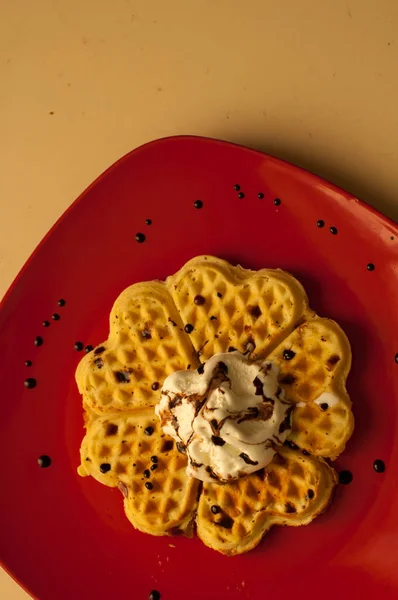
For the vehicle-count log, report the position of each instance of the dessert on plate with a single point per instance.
(214, 404)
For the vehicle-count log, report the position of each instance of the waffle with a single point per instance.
(158, 328)
(292, 490)
(117, 452)
(239, 306)
(316, 358)
(146, 343)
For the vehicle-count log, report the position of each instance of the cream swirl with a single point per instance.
(229, 416)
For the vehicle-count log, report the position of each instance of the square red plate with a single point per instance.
(64, 537)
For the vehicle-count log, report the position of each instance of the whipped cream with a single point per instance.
(325, 398)
(229, 416)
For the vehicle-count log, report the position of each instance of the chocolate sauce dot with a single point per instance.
(120, 376)
(154, 467)
(255, 311)
(140, 238)
(292, 445)
(241, 195)
(310, 494)
(324, 406)
(167, 446)
(149, 430)
(379, 466)
(28, 363)
(345, 477)
(55, 317)
(188, 328)
(198, 204)
(148, 222)
(111, 429)
(154, 459)
(215, 509)
(154, 595)
(78, 346)
(288, 379)
(277, 201)
(39, 341)
(288, 354)
(146, 334)
(333, 360)
(105, 467)
(199, 300)
(147, 473)
(226, 522)
(88, 349)
(320, 223)
(46, 323)
(61, 302)
(217, 441)
(44, 461)
(260, 195)
(148, 485)
(370, 267)
(219, 295)
(155, 386)
(236, 187)
(333, 230)
(30, 383)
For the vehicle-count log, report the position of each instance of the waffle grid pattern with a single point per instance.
(117, 452)
(265, 313)
(291, 490)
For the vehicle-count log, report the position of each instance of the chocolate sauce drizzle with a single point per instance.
(247, 459)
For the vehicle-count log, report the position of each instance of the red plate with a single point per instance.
(64, 537)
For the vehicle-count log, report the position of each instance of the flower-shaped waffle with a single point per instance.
(157, 328)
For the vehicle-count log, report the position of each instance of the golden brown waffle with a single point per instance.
(145, 344)
(292, 490)
(265, 312)
(314, 359)
(231, 306)
(117, 451)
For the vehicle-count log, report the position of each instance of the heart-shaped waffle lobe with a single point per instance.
(158, 328)
(130, 451)
(292, 490)
(314, 361)
(146, 343)
(234, 307)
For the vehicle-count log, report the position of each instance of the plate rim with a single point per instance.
(300, 171)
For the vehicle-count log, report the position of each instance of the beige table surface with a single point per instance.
(84, 81)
